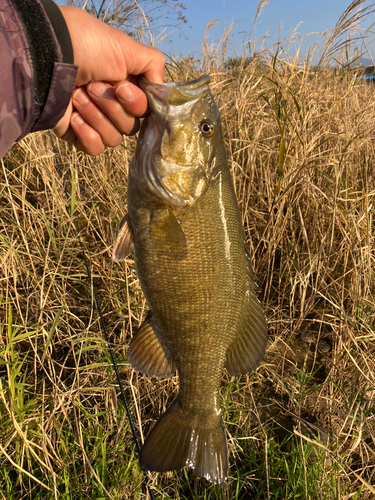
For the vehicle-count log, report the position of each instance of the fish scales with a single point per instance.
(196, 298)
(184, 224)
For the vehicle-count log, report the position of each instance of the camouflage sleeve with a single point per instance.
(37, 73)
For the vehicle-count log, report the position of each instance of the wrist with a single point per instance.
(77, 22)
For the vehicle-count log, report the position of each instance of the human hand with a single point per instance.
(106, 102)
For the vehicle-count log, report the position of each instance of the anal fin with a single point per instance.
(248, 348)
(147, 355)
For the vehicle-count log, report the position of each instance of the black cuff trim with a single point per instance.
(41, 44)
(60, 29)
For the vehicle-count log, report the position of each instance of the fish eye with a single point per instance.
(206, 128)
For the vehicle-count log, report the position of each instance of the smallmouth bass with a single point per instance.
(184, 226)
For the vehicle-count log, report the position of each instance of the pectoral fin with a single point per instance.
(123, 245)
(166, 232)
(248, 348)
(147, 355)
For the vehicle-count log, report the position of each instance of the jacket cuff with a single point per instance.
(60, 92)
(51, 55)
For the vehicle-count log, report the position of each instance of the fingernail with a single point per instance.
(125, 93)
(77, 119)
(97, 88)
(80, 97)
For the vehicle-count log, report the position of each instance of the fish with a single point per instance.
(184, 227)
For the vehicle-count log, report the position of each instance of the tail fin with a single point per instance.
(182, 440)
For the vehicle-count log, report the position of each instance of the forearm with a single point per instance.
(37, 73)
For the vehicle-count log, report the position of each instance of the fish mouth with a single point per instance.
(189, 85)
(174, 93)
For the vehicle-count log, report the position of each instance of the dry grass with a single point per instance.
(301, 148)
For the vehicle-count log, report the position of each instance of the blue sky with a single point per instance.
(315, 16)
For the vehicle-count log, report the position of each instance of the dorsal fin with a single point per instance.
(147, 355)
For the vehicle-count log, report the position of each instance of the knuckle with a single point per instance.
(161, 58)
